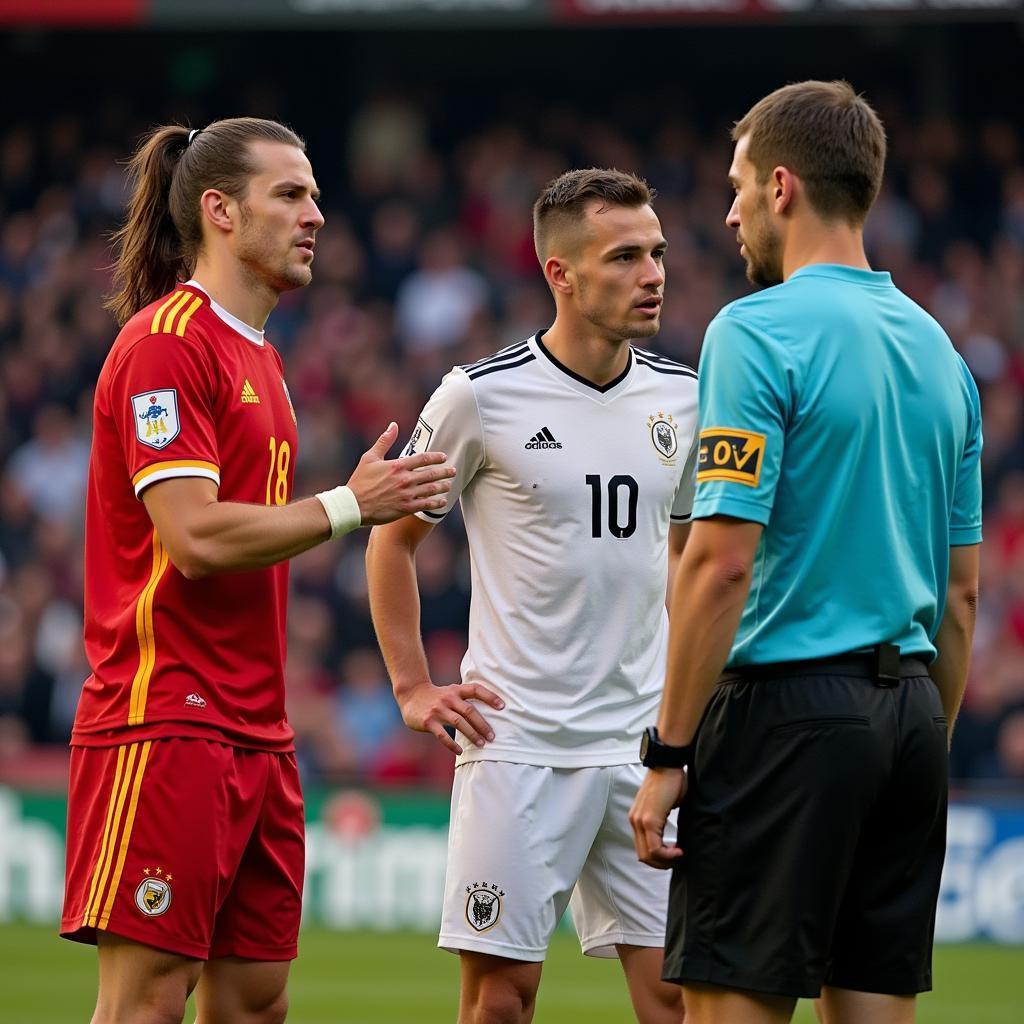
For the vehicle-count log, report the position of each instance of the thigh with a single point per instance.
(884, 932)
(259, 916)
(140, 985)
(784, 773)
(517, 840)
(155, 831)
(618, 900)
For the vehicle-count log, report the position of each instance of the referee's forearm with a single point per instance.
(953, 643)
(707, 603)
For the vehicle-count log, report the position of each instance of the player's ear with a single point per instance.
(218, 209)
(557, 272)
(783, 188)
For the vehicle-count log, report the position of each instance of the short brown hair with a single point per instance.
(825, 134)
(158, 244)
(563, 200)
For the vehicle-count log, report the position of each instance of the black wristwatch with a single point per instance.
(655, 754)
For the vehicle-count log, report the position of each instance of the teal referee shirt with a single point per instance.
(836, 412)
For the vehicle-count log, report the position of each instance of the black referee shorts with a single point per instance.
(813, 833)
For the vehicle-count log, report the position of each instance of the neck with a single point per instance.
(587, 352)
(228, 283)
(818, 243)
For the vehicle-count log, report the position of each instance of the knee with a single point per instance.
(661, 1003)
(247, 1010)
(274, 1012)
(146, 1008)
(499, 1001)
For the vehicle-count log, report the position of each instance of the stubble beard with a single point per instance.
(616, 330)
(764, 253)
(257, 251)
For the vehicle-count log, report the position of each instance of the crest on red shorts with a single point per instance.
(153, 895)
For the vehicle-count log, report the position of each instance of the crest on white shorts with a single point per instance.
(483, 905)
(156, 417)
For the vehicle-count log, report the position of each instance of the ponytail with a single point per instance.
(149, 261)
(161, 238)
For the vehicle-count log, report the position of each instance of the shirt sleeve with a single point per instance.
(745, 388)
(162, 403)
(450, 423)
(682, 505)
(965, 519)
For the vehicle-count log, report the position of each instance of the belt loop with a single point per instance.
(887, 665)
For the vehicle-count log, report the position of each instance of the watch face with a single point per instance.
(645, 743)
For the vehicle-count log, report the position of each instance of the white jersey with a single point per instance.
(567, 491)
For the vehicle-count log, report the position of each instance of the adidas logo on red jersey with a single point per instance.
(193, 700)
(249, 396)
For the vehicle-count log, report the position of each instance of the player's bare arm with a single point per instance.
(395, 605)
(677, 536)
(956, 631)
(204, 536)
(711, 587)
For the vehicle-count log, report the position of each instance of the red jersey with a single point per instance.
(187, 390)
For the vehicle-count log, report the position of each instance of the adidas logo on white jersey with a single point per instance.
(543, 439)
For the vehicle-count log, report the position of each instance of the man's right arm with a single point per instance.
(395, 606)
(204, 535)
(956, 631)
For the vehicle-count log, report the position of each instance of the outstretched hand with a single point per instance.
(386, 490)
(430, 708)
(661, 790)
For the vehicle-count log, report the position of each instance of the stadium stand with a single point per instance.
(427, 261)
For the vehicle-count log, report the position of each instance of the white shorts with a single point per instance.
(523, 839)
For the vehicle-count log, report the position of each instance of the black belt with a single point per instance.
(883, 665)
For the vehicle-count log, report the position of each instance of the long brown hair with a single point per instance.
(828, 136)
(158, 243)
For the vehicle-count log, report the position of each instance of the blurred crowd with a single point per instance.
(426, 261)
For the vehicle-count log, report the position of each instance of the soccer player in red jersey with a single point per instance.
(185, 816)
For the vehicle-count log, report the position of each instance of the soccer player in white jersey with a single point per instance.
(575, 456)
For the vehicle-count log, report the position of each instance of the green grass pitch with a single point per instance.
(372, 978)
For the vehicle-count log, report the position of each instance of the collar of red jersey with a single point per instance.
(247, 332)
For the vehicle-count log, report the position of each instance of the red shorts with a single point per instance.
(186, 845)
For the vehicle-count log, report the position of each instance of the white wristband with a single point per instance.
(342, 510)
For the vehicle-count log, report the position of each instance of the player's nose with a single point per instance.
(654, 272)
(732, 218)
(312, 217)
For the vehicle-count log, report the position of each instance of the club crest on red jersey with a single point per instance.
(156, 417)
(288, 395)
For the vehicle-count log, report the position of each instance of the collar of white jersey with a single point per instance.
(247, 332)
(599, 392)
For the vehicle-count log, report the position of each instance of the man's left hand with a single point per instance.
(661, 790)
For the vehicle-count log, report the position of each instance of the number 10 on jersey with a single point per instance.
(615, 487)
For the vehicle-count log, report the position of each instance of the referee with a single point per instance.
(832, 574)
